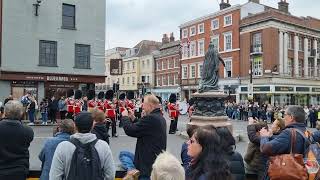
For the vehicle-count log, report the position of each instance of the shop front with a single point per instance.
(164, 93)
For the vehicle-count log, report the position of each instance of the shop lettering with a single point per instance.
(315, 89)
(284, 88)
(57, 78)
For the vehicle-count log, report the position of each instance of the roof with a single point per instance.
(168, 49)
(146, 47)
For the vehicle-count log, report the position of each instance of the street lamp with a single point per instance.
(250, 89)
(36, 6)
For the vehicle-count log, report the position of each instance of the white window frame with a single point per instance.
(193, 49)
(185, 51)
(225, 41)
(214, 28)
(225, 70)
(290, 40)
(199, 29)
(192, 66)
(258, 72)
(176, 77)
(216, 37)
(176, 62)
(184, 72)
(185, 33)
(199, 72)
(224, 20)
(163, 79)
(195, 31)
(200, 53)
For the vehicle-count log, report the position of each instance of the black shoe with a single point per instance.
(171, 132)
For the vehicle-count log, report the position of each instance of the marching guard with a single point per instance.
(91, 100)
(78, 102)
(100, 103)
(70, 103)
(110, 113)
(173, 108)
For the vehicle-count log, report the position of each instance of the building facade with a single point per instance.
(222, 29)
(138, 68)
(46, 50)
(284, 52)
(167, 68)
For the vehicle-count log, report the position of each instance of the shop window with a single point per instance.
(82, 56)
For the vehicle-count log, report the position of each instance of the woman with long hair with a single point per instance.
(207, 162)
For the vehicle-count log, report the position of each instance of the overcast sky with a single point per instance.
(130, 21)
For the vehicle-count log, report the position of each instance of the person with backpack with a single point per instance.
(83, 157)
(290, 141)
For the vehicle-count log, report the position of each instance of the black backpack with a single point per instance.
(85, 163)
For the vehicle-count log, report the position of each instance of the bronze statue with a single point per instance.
(210, 70)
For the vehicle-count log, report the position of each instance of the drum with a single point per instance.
(183, 107)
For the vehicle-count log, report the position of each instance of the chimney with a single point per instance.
(171, 37)
(165, 39)
(255, 1)
(283, 6)
(224, 5)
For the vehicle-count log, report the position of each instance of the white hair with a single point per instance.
(167, 167)
(13, 110)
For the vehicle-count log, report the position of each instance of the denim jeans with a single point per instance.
(31, 115)
(126, 158)
(44, 117)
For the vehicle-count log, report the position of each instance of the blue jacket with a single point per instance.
(316, 136)
(281, 144)
(47, 153)
(185, 158)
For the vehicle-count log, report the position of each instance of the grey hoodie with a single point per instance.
(62, 157)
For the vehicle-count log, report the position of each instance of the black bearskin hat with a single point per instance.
(91, 94)
(109, 95)
(173, 98)
(130, 95)
(160, 99)
(122, 96)
(78, 94)
(70, 92)
(101, 95)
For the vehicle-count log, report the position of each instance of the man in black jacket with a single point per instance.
(151, 133)
(15, 139)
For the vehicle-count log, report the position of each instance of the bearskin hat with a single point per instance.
(160, 99)
(70, 92)
(173, 98)
(130, 95)
(78, 94)
(91, 94)
(122, 96)
(109, 95)
(101, 95)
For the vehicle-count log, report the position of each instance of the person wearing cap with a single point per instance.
(65, 129)
(63, 155)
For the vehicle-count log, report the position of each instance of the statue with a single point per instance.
(210, 70)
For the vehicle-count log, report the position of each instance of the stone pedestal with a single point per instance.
(209, 110)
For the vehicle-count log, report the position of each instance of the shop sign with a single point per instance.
(302, 89)
(115, 66)
(244, 89)
(283, 88)
(57, 78)
(261, 88)
(315, 89)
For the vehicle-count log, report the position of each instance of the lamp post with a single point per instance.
(36, 6)
(250, 90)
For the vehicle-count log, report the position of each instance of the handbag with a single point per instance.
(288, 166)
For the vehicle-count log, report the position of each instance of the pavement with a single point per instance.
(124, 142)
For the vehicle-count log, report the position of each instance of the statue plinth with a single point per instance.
(209, 109)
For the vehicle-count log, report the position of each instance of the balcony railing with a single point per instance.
(256, 49)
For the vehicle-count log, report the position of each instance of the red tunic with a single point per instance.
(122, 105)
(78, 103)
(173, 110)
(70, 104)
(110, 109)
(130, 104)
(100, 104)
(91, 104)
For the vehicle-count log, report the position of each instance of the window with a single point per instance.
(257, 66)
(128, 80)
(215, 24)
(47, 53)
(192, 31)
(193, 49)
(185, 33)
(256, 42)
(215, 41)
(318, 47)
(290, 41)
(164, 80)
(142, 64)
(201, 47)
(228, 20)
(201, 28)
(68, 16)
(300, 44)
(176, 79)
(159, 67)
(176, 62)
(192, 71)
(185, 52)
(309, 45)
(123, 80)
(159, 81)
(228, 41)
(82, 56)
(171, 63)
(133, 80)
(300, 68)
(133, 65)
(164, 64)
(184, 72)
(228, 68)
(199, 70)
(171, 79)
(290, 68)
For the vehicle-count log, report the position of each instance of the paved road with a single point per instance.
(123, 142)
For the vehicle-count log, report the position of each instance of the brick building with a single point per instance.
(167, 68)
(284, 51)
(222, 28)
